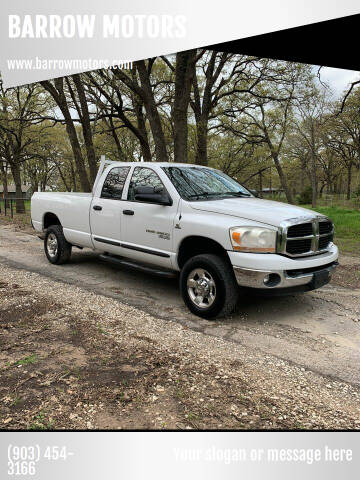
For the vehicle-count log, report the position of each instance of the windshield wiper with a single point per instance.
(238, 194)
(203, 194)
(219, 194)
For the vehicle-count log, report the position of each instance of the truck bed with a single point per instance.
(71, 208)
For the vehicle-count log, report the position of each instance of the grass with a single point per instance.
(27, 204)
(41, 422)
(347, 227)
(22, 220)
(27, 360)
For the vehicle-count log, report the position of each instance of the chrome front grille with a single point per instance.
(300, 230)
(300, 237)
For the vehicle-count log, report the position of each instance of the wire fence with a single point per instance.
(8, 206)
(339, 200)
(324, 200)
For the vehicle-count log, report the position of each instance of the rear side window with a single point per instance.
(114, 183)
(144, 177)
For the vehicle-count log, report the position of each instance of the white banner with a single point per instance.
(175, 456)
(42, 39)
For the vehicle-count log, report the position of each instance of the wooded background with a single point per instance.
(272, 125)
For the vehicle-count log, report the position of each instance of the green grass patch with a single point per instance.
(41, 422)
(27, 360)
(347, 227)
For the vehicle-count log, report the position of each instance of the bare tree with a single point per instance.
(184, 74)
(263, 115)
(56, 89)
(19, 111)
(4, 176)
(220, 76)
(312, 115)
(117, 103)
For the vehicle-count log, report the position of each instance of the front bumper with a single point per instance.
(295, 279)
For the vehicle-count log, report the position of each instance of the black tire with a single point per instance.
(226, 292)
(63, 252)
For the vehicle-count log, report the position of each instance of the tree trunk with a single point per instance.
(302, 174)
(260, 184)
(142, 133)
(43, 184)
(62, 176)
(313, 181)
(142, 136)
(35, 186)
(152, 113)
(3, 170)
(59, 96)
(348, 183)
(119, 149)
(78, 157)
(20, 204)
(184, 73)
(202, 109)
(201, 132)
(314, 185)
(282, 177)
(86, 128)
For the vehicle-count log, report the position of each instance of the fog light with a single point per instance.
(272, 279)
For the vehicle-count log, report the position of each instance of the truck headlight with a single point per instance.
(253, 239)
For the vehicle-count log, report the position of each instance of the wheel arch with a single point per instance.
(196, 245)
(49, 219)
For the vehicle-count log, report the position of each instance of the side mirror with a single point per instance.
(152, 195)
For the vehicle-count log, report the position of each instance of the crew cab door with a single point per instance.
(147, 228)
(106, 212)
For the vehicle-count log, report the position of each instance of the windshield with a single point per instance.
(195, 183)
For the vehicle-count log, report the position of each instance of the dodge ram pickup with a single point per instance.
(195, 221)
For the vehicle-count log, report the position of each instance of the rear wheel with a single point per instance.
(57, 249)
(208, 286)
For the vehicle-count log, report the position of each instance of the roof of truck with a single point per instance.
(160, 164)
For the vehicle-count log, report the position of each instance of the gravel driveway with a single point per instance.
(89, 345)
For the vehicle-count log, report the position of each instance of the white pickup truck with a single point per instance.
(168, 218)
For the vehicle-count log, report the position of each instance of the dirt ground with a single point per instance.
(347, 274)
(80, 351)
(71, 359)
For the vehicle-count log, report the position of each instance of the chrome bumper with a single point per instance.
(279, 278)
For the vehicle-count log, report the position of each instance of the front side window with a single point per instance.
(194, 183)
(143, 177)
(114, 183)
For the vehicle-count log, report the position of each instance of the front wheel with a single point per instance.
(57, 249)
(208, 286)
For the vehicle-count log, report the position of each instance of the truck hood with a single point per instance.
(255, 209)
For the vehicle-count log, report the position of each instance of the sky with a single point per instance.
(338, 79)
